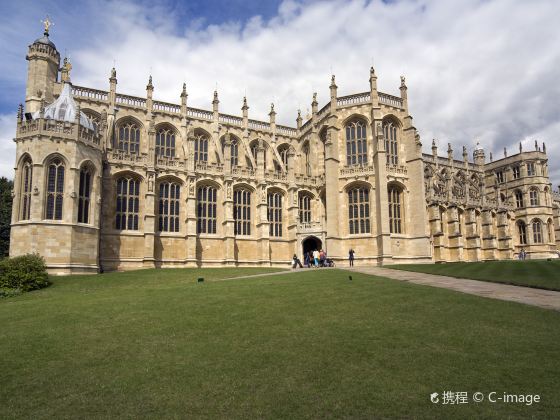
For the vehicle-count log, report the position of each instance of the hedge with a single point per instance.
(23, 273)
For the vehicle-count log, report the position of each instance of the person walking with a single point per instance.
(321, 258)
(351, 257)
(316, 258)
(306, 259)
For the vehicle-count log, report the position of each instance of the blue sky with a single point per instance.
(76, 26)
(476, 70)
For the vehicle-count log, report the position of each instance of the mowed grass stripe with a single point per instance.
(303, 344)
(541, 274)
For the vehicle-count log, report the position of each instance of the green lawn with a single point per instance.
(540, 274)
(309, 344)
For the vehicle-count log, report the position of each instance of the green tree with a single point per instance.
(6, 186)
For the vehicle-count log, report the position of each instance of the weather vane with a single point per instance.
(47, 24)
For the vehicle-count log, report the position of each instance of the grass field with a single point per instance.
(541, 274)
(307, 344)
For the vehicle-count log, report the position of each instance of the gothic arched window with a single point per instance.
(358, 210)
(306, 161)
(26, 185)
(519, 199)
(255, 151)
(128, 137)
(305, 208)
(275, 214)
(234, 149)
(234, 152)
(283, 151)
(391, 143)
(168, 206)
(84, 195)
(95, 119)
(534, 197)
(395, 209)
(128, 203)
(201, 148)
(242, 211)
(537, 232)
(206, 209)
(165, 142)
(356, 143)
(55, 189)
(522, 232)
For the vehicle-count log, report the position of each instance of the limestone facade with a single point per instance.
(157, 184)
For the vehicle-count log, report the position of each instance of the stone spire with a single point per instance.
(434, 148)
(404, 94)
(465, 154)
(314, 104)
(505, 152)
(520, 147)
(215, 102)
(149, 88)
(298, 119)
(113, 87)
(372, 79)
(449, 151)
(272, 114)
(65, 70)
(543, 147)
(333, 88)
(113, 78)
(184, 96)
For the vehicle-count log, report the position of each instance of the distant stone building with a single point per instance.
(107, 181)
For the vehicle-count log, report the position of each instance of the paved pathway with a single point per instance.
(537, 297)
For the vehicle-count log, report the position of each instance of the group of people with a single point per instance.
(315, 258)
(522, 254)
(318, 258)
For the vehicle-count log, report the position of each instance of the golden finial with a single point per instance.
(47, 24)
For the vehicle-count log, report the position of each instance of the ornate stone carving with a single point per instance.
(151, 182)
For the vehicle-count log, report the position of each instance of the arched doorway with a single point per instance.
(311, 243)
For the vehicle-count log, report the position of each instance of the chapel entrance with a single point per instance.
(311, 243)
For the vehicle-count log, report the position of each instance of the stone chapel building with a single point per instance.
(108, 181)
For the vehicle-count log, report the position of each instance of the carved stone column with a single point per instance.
(149, 219)
(292, 202)
(331, 191)
(381, 196)
(262, 225)
(229, 223)
(190, 221)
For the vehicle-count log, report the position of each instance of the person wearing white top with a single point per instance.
(316, 258)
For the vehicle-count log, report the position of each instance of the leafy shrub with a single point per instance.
(26, 272)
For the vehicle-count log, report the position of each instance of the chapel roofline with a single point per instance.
(137, 102)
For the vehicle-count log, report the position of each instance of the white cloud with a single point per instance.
(7, 146)
(476, 70)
